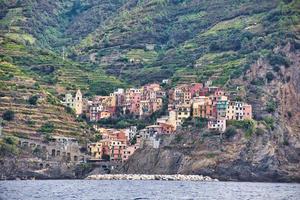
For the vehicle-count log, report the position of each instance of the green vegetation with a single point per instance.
(8, 115)
(178, 138)
(271, 106)
(133, 140)
(122, 122)
(249, 126)
(48, 127)
(278, 60)
(8, 146)
(270, 76)
(230, 132)
(76, 43)
(142, 55)
(33, 100)
(290, 115)
(269, 122)
(211, 155)
(30, 123)
(195, 122)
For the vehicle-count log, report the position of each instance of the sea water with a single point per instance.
(124, 189)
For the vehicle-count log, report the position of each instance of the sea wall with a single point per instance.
(176, 177)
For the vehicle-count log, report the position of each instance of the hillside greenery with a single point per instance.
(99, 45)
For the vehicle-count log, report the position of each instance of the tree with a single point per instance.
(133, 140)
(98, 137)
(33, 100)
(48, 127)
(230, 132)
(270, 76)
(8, 115)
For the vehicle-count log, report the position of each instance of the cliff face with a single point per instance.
(272, 153)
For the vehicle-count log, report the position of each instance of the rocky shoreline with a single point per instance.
(175, 177)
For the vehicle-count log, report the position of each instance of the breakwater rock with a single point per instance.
(176, 177)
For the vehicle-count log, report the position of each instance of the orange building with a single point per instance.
(167, 128)
(202, 107)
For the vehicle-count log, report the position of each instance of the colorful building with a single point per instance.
(202, 107)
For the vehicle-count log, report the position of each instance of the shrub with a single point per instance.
(122, 124)
(98, 137)
(47, 137)
(178, 138)
(270, 76)
(200, 122)
(211, 155)
(33, 100)
(259, 131)
(7, 59)
(286, 142)
(10, 140)
(69, 110)
(278, 60)
(30, 122)
(8, 150)
(133, 140)
(8, 115)
(230, 132)
(258, 81)
(8, 146)
(271, 106)
(247, 125)
(289, 113)
(36, 85)
(276, 68)
(269, 121)
(48, 127)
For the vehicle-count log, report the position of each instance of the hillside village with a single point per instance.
(184, 102)
(102, 82)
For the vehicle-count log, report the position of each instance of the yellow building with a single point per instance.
(230, 114)
(183, 111)
(95, 150)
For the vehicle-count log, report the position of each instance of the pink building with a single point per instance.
(247, 111)
(133, 103)
(195, 89)
(128, 151)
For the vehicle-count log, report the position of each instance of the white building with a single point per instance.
(217, 125)
(75, 103)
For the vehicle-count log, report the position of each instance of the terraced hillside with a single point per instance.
(211, 39)
(155, 39)
(34, 36)
(35, 113)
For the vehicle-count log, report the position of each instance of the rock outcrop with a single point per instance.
(176, 177)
